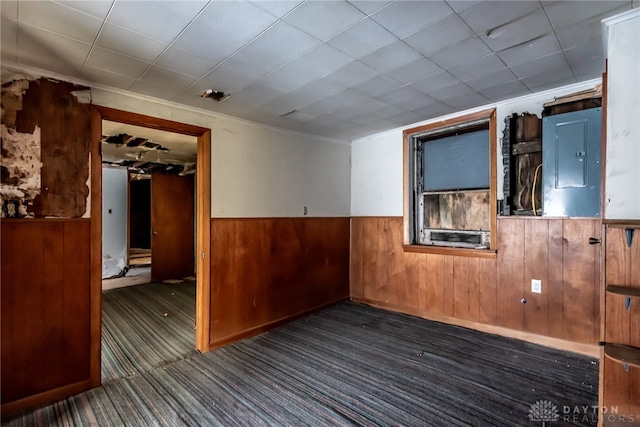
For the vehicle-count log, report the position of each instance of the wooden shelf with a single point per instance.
(626, 291)
(623, 354)
(633, 224)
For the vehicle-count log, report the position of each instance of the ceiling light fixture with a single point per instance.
(215, 95)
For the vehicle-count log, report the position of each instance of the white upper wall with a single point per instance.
(622, 179)
(258, 171)
(377, 169)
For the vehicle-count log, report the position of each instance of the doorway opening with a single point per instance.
(169, 240)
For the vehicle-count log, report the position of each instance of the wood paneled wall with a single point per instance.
(45, 291)
(488, 291)
(621, 385)
(265, 271)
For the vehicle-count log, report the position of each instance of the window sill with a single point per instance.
(441, 250)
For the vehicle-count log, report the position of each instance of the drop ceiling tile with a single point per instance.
(369, 6)
(160, 20)
(438, 36)
(155, 90)
(255, 94)
(236, 73)
(114, 62)
(415, 71)
(403, 18)
(462, 53)
(95, 8)
(567, 13)
(362, 39)
(551, 84)
(505, 90)
(168, 78)
(321, 88)
(378, 85)
(587, 60)
(493, 79)
(531, 50)
(364, 119)
(391, 57)
(60, 19)
(387, 111)
(585, 31)
(277, 8)
(278, 45)
(352, 74)
(405, 97)
(289, 102)
(324, 19)
(180, 60)
(49, 51)
(223, 28)
(551, 64)
(434, 110)
(558, 71)
(460, 5)
(406, 118)
(298, 117)
(486, 15)
(321, 60)
(439, 81)
(482, 66)
(129, 43)
(9, 40)
(516, 32)
(464, 102)
(105, 77)
(9, 10)
(366, 107)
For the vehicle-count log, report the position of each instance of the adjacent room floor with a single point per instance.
(349, 364)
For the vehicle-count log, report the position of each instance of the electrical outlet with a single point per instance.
(536, 286)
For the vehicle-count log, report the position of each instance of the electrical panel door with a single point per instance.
(571, 148)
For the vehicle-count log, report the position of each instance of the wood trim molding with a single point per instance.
(95, 370)
(136, 119)
(445, 250)
(585, 349)
(489, 114)
(44, 220)
(203, 241)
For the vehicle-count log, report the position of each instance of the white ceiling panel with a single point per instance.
(60, 19)
(9, 10)
(563, 14)
(362, 39)
(537, 48)
(370, 6)
(114, 62)
(169, 18)
(462, 53)
(522, 30)
(277, 8)
(186, 62)
(43, 49)
(405, 18)
(437, 37)
(378, 85)
(392, 57)
(129, 43)
(106, 78)
(480, 67)
(486, 15)
(96, 8)
(415, 71)
(346, 68)
(323, 20)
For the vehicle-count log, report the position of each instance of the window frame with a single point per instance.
(409, 177)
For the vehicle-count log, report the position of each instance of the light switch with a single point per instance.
(536, 286)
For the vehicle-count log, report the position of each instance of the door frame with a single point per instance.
(203, 222)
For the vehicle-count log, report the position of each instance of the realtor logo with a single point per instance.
(545, 411)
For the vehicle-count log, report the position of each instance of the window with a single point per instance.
(450, 197)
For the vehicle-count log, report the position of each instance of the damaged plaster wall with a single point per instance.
(46, 135)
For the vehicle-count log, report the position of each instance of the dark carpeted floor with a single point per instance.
(348, 364)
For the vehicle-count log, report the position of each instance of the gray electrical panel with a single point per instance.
(571, 146)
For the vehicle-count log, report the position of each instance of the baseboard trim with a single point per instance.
(43, 398)
(270, 325)
(591, 350)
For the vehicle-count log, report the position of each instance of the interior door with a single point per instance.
(172, 220)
